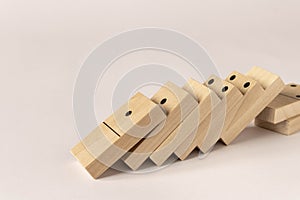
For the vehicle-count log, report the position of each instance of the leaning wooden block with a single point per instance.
(213, 127)
(287, 127)
(285, 106)
(169, 146)
(207, 102)
(224, 113)
(190, 127)
(260, 88)
(177, 137)
(178, 104)
(118, 134)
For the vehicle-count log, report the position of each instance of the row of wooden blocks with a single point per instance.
(175, 121)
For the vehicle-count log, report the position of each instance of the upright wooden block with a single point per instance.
(285, 106)
(118, 134)
(207, 102)
(283, 114)
(178, 104)
(259, 87)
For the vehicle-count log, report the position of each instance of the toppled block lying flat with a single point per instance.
(283, 114)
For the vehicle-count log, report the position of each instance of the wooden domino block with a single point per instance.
(287, 127)
(259, 87)
(190, 127)
(215, 124)
(283, 114)
(178, 104)
(224, 113)
(285, 106)
(172, 142)
(118, 134)
(207, 102)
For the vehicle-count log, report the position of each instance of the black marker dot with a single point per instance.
(163, 101)
(224, 89)
(232, 77)
(128, 113)
(211, 81)
(247, 84)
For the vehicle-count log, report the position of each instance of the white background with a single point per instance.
(42, 46)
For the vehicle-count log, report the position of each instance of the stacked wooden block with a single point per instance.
(283, 114)
(175, 121)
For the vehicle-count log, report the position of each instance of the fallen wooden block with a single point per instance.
(178, 104)
(283, 114)
(118, 134)
(260, 88)
(287, 127)
(285, 106)
(207, 102)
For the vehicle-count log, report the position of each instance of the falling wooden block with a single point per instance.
(215, 124)
(178, 104)
(207, 102)
(224, 113)
(283, 114)
(285, 106)
(172, 142)
(260, 88)
(190, 127)
(178, 136)
(118, 134)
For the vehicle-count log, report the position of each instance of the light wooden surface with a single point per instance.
(287, 127)
(118, 134)
(266, 87)
(177, 104)
(223, 115)
(285, 106)
(176, 138)
(208, 100)
(251, 91)
(283, 114)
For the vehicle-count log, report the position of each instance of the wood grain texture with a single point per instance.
(107, 143)
(177, 103)
(180, 134)
(224, 114)
(285, 106)
(287, 127)
(208, 100)
(263, 87)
